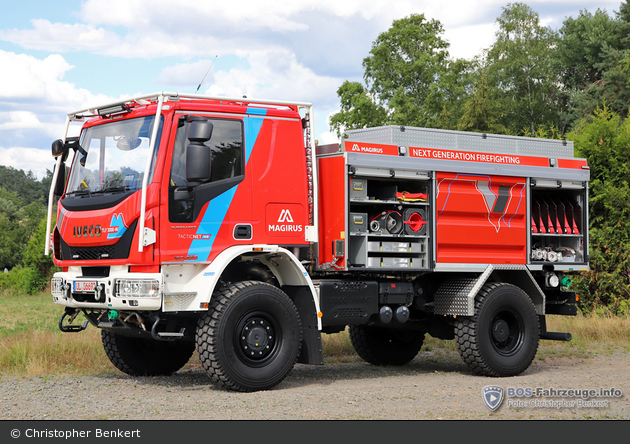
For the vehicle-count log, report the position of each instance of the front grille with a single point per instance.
(119, 250)
(95, 271)
(92, 253)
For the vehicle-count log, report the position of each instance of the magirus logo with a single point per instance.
(285, 223)
(285, 216)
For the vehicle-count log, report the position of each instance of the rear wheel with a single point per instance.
(385, 346)
(145, 357)
(250, 339)
(501, 339)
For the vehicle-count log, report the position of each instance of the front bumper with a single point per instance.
(120, 290)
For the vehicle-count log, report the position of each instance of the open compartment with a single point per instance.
(557, 226)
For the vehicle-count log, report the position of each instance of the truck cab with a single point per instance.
(169, 198)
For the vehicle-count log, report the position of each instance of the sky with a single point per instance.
(64, 55)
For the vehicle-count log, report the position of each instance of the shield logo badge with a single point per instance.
(492, 396)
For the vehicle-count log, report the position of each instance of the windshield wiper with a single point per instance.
(113, 189)
(79, 193)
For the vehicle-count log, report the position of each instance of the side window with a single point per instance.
(226, 144)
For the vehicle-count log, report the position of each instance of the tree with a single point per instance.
(409, 80)
(17, 224)
(358, 110)
(481, 112)
(519, 68)
(579, 51)
(25, 184)
(39, 266)
(592, 60)
(604, 140)
(613, 89)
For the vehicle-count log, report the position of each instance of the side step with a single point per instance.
(165, 335)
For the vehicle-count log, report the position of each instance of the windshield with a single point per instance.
(116, 157)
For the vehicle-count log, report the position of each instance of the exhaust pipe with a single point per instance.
(556, 336)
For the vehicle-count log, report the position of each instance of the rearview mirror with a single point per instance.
(58, 148)
(198, 155)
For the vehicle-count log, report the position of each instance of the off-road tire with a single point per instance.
(385, 346)
(250, 339)
(511, 348)
(145, 357)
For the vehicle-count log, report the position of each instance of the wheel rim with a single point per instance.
(257, 338)
(506, 332)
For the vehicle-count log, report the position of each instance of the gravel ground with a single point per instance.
(435, 385)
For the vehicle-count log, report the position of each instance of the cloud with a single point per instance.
(61, 37)
(34, 101)
(37, 85)
(187, 74)
(323, 32)
(18, 120)
(462, 47)
(275, 74)
(27, 159)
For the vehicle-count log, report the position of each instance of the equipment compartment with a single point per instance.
(557, 226)
(397, 215)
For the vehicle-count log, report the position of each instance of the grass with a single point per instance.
(32, 345)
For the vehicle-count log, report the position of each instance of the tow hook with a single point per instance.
(71, 328)
(99, 293)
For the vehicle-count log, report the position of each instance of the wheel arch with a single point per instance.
(291, 277)
(456, 295)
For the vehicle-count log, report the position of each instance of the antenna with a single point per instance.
(204, 77)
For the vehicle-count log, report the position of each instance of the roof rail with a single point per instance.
(175, 96)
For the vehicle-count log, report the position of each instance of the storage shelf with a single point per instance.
(387, 202)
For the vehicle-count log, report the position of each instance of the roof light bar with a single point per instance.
(114, 109)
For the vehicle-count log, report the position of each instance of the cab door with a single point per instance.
(201, 217)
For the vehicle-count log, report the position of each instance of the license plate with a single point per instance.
(83, 286)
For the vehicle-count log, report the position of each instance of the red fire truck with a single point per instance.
(188, 222)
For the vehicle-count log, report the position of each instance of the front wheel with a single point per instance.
(501, 339)
(250, 339)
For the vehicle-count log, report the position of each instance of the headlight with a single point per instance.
(56, 287)
(137, 288)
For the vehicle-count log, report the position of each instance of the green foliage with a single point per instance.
(26, 185)
(17, 223)
(40, 266)
(13, 280)
(520, 71)
(532, 81)
(582, 41)
(21, 212)
(613, 89)
(358, 110)
(604, 141)
(481, 112)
